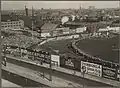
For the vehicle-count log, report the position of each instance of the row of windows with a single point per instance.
(5, 23)
(11, 25)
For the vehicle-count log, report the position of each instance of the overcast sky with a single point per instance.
(10, 5)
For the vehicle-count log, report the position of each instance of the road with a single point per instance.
(6, 83)
(57, 82)
(57, 75)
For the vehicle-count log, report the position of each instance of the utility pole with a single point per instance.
(0, 55)
(39, 30)
(32, 20)
(4, 55)
(83, 72)
(50, 69)
(119, 41)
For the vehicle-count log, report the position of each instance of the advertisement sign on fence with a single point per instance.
(69, 62)
(56, 58)
(91, 68)
(118, 75)
(110, 73)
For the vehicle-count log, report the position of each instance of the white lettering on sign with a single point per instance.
(118, 76)
(109, 72)
(91, 68)
(119, 71)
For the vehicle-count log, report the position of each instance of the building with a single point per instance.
(81, 29)
(61, 31)
(108, 29)
(47, 29)
(12, 24)
(9, 16)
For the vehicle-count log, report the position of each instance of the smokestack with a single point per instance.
(80, 8)
(32, 11)
(26, 11)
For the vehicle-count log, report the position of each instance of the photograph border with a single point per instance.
(1, 39)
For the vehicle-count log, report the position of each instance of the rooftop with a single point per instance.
(7, 17)
(49, 27)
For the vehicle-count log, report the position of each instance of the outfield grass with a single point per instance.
(56, 46)
(106, 49)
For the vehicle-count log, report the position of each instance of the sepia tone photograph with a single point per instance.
(70, 44)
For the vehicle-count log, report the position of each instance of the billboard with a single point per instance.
(91, 68)
(118, 76)
(110, 73)
(56, 58)
(69, 62)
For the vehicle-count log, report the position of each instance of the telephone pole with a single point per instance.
(32, 21)
(119, 44)
(50, 69)
(0, 54)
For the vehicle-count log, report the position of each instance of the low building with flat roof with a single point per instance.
(47, 29)
(16, 24)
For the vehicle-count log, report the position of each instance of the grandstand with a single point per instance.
(20, 40)
(104, 47)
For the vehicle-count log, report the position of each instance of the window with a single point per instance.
(2, 23)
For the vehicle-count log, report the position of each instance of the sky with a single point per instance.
(18, 5)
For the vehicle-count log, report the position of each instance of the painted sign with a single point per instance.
(118, 76)
(110, 73)
(91, 68)
(56, 58)
(69, 62)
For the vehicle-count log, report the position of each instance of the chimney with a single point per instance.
(32, 11)
(26, 11)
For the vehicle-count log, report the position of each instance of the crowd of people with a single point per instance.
(20, 40)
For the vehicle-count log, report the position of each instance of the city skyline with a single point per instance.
(19, 5)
